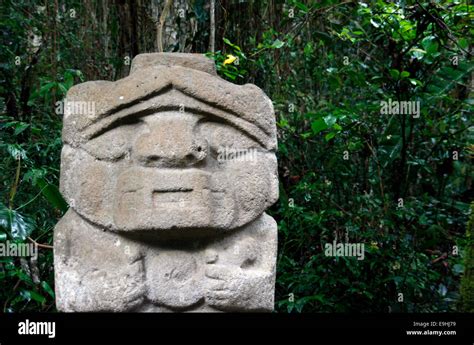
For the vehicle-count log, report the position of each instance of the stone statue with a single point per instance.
(167, 181)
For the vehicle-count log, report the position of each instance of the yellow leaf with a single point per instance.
(230, 59)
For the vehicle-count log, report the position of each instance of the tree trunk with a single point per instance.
(212, 34)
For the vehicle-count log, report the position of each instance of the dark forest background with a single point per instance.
(399, 184)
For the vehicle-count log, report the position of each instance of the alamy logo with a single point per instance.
(345, 249)
(75, 107)
(37, 328)
(9, 249)
(400, 108)
(225, 153)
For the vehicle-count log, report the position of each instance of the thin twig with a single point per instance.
(46, 246)
(379, 174)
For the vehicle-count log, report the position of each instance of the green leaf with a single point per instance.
(395, 74)
(418, 50)
(417, 53)
(230, 75)
(3, 236)
(47, 288)
(329, 136)
(62, 88)
(301, 6)
(32, 295)
(308, 49)
(318, 126)
(226, 41)
(52, 194)
(278, 44)
(415, 82)
(11, 221)
(69, 82)
(374, 23)
(330, 120)
(16, 151)
(430, 44)
(79, 74)
(463, 43)
(45, 88)
(423, 219)
(404, 74)
(20, 127)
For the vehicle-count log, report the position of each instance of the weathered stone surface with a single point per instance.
(168, 180)
(194, 61)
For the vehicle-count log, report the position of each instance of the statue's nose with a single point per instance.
(170, 143)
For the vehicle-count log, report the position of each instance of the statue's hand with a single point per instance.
(227, 287)
(232, 288)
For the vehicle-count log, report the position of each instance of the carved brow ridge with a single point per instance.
(165, 100)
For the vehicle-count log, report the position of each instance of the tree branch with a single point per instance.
(159, 34)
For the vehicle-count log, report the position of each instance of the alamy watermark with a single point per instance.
(400, 108)
(13, 249)
(345, 249)
(75, 107)
(226, 153)
(28, 327)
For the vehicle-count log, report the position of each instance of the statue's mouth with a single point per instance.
(180, 197)
(165, 198)
(184, 197)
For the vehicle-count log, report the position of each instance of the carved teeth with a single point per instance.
(174, 190)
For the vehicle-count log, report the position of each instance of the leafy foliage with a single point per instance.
(467, 281)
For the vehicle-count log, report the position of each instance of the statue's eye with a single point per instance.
(113, 144)
(222, 136)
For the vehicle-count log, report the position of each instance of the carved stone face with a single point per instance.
(154, 161)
